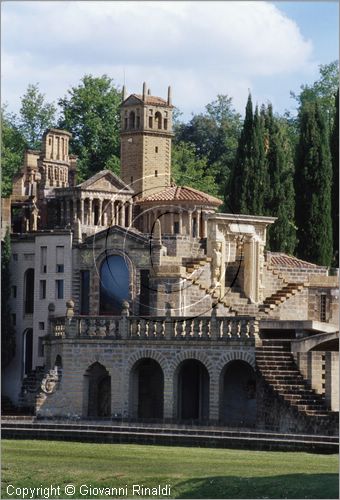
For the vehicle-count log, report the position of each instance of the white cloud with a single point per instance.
(201, 48)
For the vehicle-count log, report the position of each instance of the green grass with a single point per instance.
(191, 472)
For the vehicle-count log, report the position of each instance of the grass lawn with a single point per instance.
(191, 472)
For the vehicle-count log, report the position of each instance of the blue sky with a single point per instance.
(201, 48)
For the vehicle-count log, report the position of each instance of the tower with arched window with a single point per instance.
(146, 132)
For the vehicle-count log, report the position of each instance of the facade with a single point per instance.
(134, 299)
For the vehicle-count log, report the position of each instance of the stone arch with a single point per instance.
(148, 353)
(227, 357)
(192, 354)
(158, 120)
(237, 389)
(191, 390)
(146, 390)
(96, 391)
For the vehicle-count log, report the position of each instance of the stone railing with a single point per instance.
(156, 328)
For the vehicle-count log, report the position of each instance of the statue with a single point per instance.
(217, 264)
(34, 216)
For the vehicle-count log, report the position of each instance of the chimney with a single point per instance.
(144, 91)
(169, 96)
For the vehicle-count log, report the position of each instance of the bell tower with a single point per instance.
(146, 133)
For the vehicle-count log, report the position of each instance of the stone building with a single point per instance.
(135, 299)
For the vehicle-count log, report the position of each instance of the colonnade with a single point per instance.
(182, 221)
(95, 211)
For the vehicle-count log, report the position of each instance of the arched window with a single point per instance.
(114, 285)
(29, 291)
(158, 120)
(97, 392)
(132, 118)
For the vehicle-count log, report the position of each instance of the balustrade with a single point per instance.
(157, 328)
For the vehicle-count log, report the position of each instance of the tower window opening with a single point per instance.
(138, 121)
(158, 119)
(156, 149)
(150, 122)
(132, 118)
(165, 124)
(156, 173)
(126, 123)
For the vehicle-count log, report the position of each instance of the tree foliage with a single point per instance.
(313, 182)
(188, 169)
(7, 329)
(36, 115)
(13, 146)
(90, 112)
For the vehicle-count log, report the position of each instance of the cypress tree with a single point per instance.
(8, 332)
(280, 201)
(257, 190)
(313, 182)
(242, 167)
(335, 183)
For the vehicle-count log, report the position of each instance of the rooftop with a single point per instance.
(182, 193)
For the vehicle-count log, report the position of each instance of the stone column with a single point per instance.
(198, 225)
(100, 212)
(130, 215)
(214, 398)
(205, 224)
(180, 221)
(89, 215)
(190, 222)
(122, 214)
(82, 215)
(172, 223)
(168, 407)
(251, 271)
(113, 218)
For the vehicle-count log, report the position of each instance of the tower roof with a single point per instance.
(180, 194)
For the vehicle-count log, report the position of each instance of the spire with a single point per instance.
(144, 91)
(124, 93)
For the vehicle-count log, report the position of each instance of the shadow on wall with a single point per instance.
(287, 486)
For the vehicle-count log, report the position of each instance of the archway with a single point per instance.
(97, 391)
(132, 118)
(193, 391)
(28, 351)
(158, 120)
(238, 394)
(147, 390)
(114, 284)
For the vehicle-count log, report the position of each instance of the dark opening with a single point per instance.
(84, 292)
(238, 394)
(29, 291)
(96, 214)
(132, 119)
(28, 350)
(193, 391)
(148, 389)
(99, 391)
(114, 285)
(144, 300)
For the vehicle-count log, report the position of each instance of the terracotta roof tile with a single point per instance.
(183, 193)
(284, 260)
(152, 99)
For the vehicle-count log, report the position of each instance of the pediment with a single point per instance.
(106, 181)
(132, 100)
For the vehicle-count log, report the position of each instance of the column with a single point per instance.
(113, 215)
(180, 221)
(89, 215)
(171, 223)
(100, 212)
(121, 214)
(198, 220)
(75, 209)
(130, 214)
(82, 215)
(190, 222)
(205, 225)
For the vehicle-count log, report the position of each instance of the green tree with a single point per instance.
(335, 183)
(13, 146)
(313, 182)
(36, 115)
(7, 329)
(190, 170)
(214, 134)
(280, 200)
(90, 112)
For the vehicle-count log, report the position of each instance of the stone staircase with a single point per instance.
(280, 296)
(276, 365)
(30, 387)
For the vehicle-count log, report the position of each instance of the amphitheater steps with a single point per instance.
(280, 296)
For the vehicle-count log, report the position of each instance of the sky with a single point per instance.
(200, 48)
